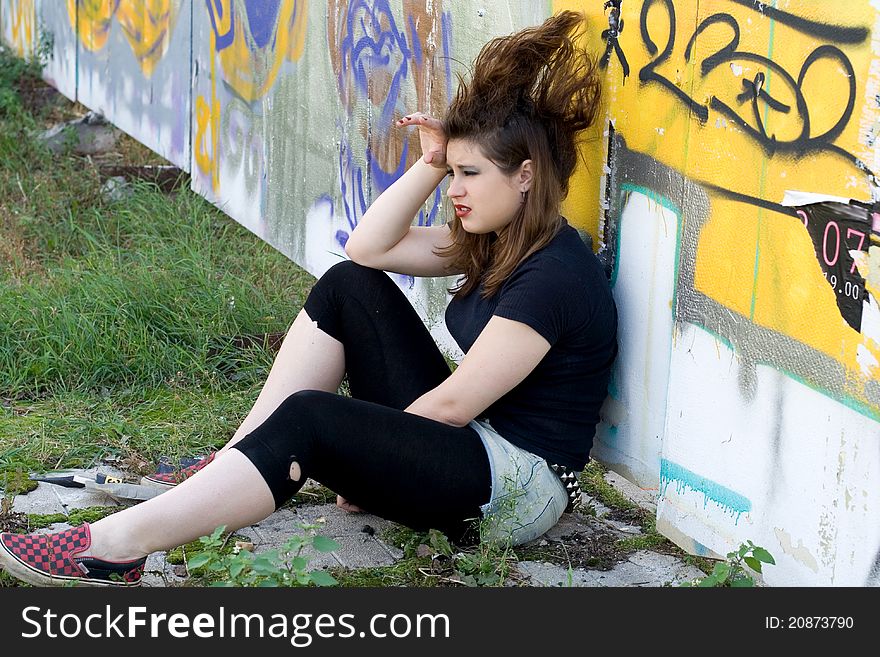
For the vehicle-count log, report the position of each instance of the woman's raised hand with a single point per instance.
(432, 136)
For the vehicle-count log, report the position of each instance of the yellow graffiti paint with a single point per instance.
(22, 17)
(582, 207)
(872, 265)
(207, 115)
(747, 106)
(148, 26)
(92, 19)
(251, 71)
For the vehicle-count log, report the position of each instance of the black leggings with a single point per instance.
(400, 466)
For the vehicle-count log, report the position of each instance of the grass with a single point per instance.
(128, 329)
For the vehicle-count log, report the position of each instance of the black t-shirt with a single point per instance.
(562, 293)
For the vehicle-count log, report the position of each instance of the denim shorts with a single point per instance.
(527, 497)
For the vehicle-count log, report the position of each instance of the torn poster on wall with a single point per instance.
(841, 229)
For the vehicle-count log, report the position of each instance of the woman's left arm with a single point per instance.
(504, 354)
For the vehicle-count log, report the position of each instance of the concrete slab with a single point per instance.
(158, 573)
(43, 500)
(362, 551)
(642, 569)
(645, 498)
(273, 532)
(50, 498)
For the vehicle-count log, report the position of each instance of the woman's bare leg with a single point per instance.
(309, 359)
(230, 492)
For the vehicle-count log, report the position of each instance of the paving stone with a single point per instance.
(43, 500)
(642, 569)
(335, 522)
(362, 552)
(569, 523)
(547, 574)
(51, 498)
(158, 573)
(591, 502)
(273, 532)
(624, 527)
(647, 499)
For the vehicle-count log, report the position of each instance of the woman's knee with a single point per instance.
(349, 276)
(330, 301)
(282, 447)
(305, 404)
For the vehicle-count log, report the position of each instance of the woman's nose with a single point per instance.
(454, 188)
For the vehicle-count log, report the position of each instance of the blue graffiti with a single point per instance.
(216, 14)
(262, 20)
(262, 17)
(372, 44)
(730, 501)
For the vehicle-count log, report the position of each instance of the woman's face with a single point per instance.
(485, 198)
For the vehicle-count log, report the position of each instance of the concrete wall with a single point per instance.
(747, 389)
(746, 394)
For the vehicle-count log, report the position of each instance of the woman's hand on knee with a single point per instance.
(347, 506)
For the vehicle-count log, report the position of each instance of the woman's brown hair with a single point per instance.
(529, 96)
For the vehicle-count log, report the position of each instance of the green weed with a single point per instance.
(734, 572)
(285, 567)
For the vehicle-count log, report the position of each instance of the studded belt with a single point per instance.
(569, 478)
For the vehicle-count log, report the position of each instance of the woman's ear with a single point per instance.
(524, 177)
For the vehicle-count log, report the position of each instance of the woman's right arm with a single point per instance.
(384, 237)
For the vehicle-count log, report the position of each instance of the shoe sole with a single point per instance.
(20, 570)
(146, 481)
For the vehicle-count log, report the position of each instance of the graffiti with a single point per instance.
(728, 500)
(755, 343)
(377, 63)
(92, 20)
(839, 231)
(21, 25)
(147, 26)
(615, 27)
(242, 133)
(754, 90)
(253, 39)
(207, 115)
(250, 40)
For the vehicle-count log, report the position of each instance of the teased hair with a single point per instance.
(529, 96)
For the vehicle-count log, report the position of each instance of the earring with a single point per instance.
(523, 197)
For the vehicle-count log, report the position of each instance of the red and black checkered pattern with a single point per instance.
(174, 478)
(52, 559)
(50, 553)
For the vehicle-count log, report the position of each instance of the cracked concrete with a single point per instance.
(361, 546)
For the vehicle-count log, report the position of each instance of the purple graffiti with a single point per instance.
(372, 46)
(373, 43)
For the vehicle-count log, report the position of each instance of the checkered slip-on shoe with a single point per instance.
(51, 560)
(171, 479)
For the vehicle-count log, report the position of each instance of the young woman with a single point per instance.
(492, 441)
